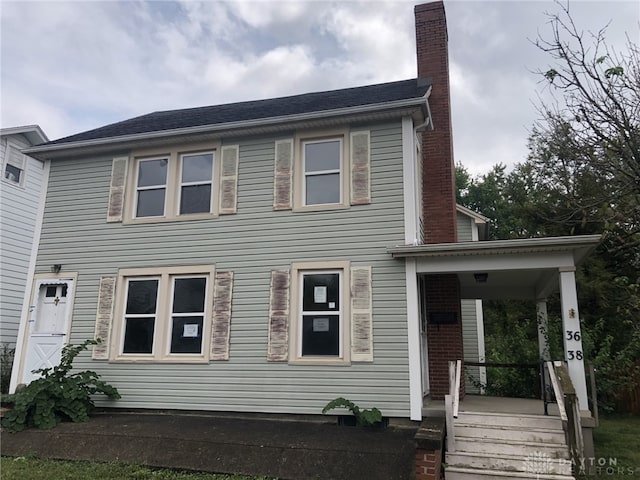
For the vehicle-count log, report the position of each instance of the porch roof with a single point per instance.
(520, 268)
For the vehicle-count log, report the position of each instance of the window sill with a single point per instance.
(163, 360)
(320, 208)
(317, 361)
(181, 218)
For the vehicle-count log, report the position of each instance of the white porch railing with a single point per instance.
(569, 409)
(452, 402)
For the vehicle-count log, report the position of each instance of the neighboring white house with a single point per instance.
(21, 191)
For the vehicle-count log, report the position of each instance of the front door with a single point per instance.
(48, 326)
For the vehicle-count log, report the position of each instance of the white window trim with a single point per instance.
(163, 325)
(295, 319)
(174, 183)
(299, 186)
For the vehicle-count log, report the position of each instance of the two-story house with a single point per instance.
(271, 255)
(21, 200)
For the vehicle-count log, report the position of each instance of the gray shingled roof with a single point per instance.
(258, 109)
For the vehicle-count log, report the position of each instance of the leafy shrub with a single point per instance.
(366, 417)
(58, 395)
(6, 363)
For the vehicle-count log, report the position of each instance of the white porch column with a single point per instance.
(572, 335)
(413, 332)
(543, 330)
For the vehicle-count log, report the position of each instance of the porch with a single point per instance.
(488, 404)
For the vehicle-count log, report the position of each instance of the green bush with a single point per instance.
(58, 395)
(364, 417)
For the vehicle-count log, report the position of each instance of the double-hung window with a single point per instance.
(151, 187)
(166, 313)
(321, 170)
(196, 183)
(322, 160)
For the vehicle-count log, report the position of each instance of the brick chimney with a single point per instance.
(442, 292)
(439, 198)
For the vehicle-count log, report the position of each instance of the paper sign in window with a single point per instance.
(320, 294)
(320, 324)
(190, 330)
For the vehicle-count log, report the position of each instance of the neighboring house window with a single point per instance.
(320, 317)
(322, 161)
(166, 313)
(13, 171)
(322, 170)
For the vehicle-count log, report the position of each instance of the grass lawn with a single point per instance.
(22, 468)
(618, 438)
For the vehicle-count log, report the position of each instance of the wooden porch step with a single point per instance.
(510, 447)
(458, 473)
(512, 433)
(506, 462)
(493, 419)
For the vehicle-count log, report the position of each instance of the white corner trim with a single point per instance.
(24, 317)
(413, 332)
(409, 182)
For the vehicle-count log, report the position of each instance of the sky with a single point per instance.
(70, 66)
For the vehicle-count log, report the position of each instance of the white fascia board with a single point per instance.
(580, 245)
(33, 133)
(477, 217)
(412, 102)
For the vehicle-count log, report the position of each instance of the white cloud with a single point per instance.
(83, 64)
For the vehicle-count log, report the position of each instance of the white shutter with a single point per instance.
(104, 317)
(360, 168)
(221, 327)
(361, 315)
(229, 179)
(117, 189)
(278, 343)
(283, 175)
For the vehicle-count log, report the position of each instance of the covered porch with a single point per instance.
(526, 269)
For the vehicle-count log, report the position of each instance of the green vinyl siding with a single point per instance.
(250, 243)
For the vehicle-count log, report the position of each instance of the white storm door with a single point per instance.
(47, 327)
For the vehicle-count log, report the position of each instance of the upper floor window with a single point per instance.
(322, 171)
(193, 182)
(151, 191)
(192, 193)
(196, 183)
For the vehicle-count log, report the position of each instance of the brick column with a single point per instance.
(429, 441)
(444, 341)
